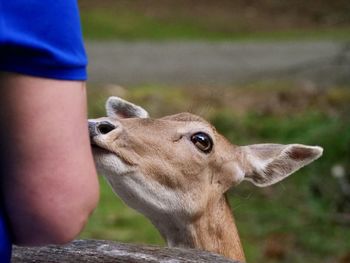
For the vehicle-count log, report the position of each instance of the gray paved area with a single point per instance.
(224, 63)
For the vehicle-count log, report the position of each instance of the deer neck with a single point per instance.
(214, 231)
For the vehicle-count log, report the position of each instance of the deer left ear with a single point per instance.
(119, 108)
(267, 164)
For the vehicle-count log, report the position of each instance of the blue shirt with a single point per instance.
(42, 38)
(5, 243)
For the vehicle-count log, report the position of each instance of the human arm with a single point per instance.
(48, 179)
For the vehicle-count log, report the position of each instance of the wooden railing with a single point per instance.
(97, 251)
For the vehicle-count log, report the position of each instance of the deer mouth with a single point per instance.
(98, 149)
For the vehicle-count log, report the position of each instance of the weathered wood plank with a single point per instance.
(96, 251)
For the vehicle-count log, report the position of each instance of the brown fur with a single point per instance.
(205, 176)
(156, 169)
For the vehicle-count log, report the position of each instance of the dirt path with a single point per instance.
(198, 63)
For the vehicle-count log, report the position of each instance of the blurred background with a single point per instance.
(260, 71)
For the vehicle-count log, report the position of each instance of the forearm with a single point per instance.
(48, 178)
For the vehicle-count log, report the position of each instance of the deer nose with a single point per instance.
(97, 128)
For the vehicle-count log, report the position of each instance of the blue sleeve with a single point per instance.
(5, 243)
(42, 38)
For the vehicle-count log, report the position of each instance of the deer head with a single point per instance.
(177, 168)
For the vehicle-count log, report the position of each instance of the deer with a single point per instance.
(176, 171)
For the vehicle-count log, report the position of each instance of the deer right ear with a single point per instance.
(119, 108)
(266, 164)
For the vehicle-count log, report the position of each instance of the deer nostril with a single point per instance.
(105, 127)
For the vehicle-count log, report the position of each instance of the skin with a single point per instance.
(49, 184)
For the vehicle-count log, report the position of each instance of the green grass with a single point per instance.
(104, 24)
(296, 217)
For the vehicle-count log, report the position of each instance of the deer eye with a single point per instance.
(202, 141)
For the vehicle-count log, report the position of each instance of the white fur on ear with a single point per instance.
(119, 108)
(267, 164)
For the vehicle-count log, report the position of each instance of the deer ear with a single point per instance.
(267, 164)
(119, 108)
